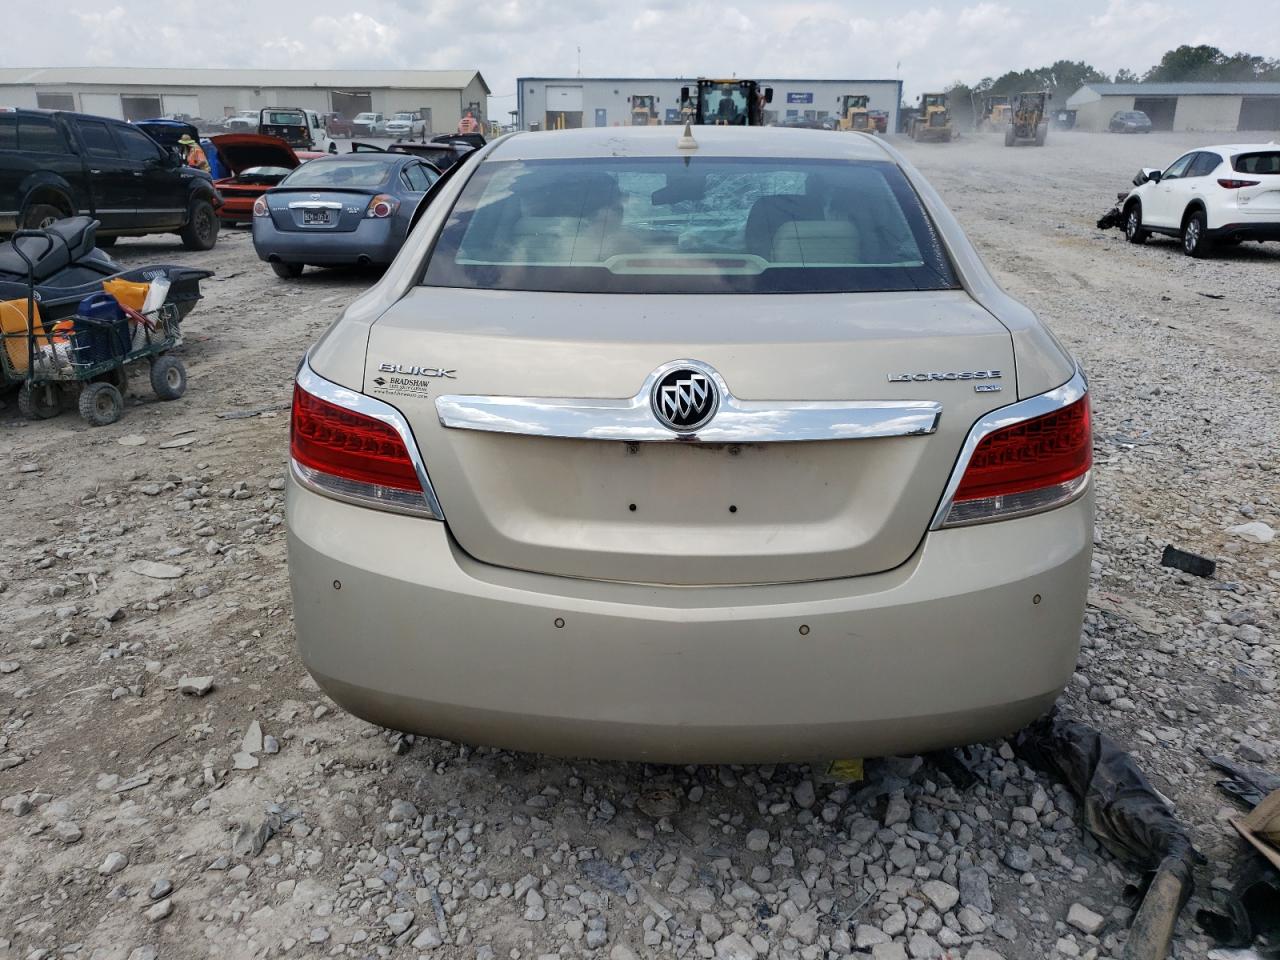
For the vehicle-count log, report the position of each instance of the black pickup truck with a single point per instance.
(56, 164)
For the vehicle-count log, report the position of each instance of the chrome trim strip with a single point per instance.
(1036, 406)
(737, 421)
(315, 205)
(356, 402)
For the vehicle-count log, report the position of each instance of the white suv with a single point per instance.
(1224, 194)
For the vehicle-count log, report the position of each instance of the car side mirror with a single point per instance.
(684, 93)
(1147, 174)
(768, 94)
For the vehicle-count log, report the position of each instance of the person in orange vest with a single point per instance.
(468, 124)
(192, 155)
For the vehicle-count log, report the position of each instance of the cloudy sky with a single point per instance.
(934, 42)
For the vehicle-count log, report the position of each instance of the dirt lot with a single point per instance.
(142, 821)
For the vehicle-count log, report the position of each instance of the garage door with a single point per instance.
(564, 99)
(102, 104)
(181, 103)
(1160, 110)
(1259, 113)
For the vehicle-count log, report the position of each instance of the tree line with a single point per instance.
(1062, 79)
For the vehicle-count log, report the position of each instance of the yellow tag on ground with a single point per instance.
(850, 771)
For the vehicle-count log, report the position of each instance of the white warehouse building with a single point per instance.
(546, 103)
(440, 97)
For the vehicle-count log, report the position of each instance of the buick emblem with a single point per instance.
(685, 399)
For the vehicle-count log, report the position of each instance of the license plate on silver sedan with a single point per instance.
(315, 216)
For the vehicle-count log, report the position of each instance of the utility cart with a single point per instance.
(85, 350)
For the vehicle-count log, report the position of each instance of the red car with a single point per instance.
(338, 126)
(256, 163)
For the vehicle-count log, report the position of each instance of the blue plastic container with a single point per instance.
(101, 330)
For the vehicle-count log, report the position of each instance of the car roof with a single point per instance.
(714, 141)
(1234, 148)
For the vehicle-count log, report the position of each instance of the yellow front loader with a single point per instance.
(933, 123)
(855, 113)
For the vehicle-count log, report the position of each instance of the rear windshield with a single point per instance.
(339, 173)
(284, 118)
(696, 225)
(1264, 162)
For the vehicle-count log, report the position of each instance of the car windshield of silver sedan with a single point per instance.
(696, 225)
(340, 172)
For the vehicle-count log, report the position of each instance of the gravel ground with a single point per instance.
(176, 787)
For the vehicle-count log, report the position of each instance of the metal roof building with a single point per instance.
(549, 102)
(135, 93)
(1203, 105)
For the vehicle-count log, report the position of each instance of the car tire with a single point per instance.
(1195, 239)
(101, 404)
(287, 271)
(40, 215)
(39, 402)
(168, 377)
(1133, 231)
(201, 231)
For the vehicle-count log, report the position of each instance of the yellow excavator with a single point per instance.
(855, 113)
(644, 110)
(933, 123)
(1029, 122)
(733, 103)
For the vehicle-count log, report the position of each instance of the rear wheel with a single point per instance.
(1195, 239)
(1133, 231)
(103, 243)
(39, 402)
(287, 271)
(168, 377)
(40, 215)
(1042, 134)
(201, 231)
(1008, 137)
(101, 404)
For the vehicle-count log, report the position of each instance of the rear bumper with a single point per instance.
(373, 241)
(973, 637)
(237, 208)
(1247, 231)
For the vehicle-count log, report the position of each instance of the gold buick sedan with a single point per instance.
(722, 448)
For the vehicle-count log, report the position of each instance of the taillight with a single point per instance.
(1028, 466)
(382, 206)
(1237, 184)
(353, 456)
(260, 207)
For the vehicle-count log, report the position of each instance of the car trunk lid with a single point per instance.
(689, 512)
(321, 209)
